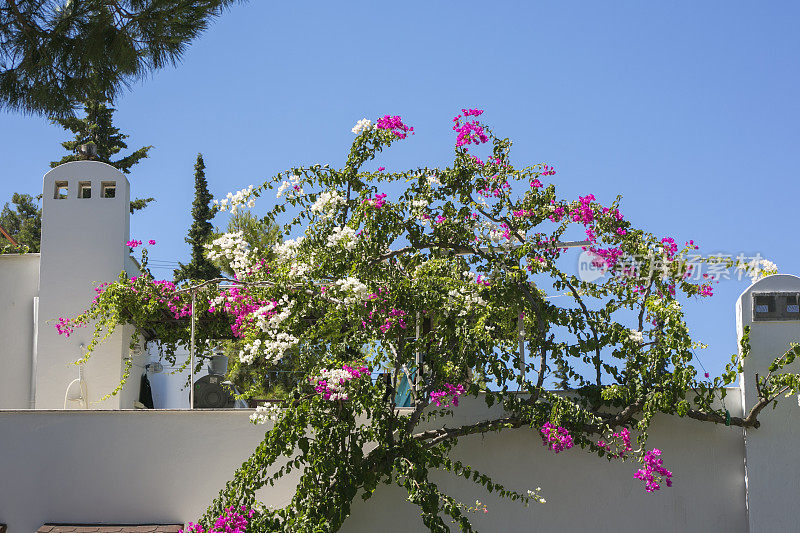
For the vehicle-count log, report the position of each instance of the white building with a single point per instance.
(85, 225)
(125, 466)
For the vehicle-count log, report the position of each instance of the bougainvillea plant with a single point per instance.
(427, 282)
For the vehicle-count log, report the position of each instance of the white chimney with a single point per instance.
(770, 308)
(85, 224)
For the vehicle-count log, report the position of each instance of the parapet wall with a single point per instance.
(151, 467)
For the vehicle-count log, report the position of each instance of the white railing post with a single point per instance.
(191, 355)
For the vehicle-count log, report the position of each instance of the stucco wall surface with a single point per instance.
(19, 284)
(83, 244)
(166, 466)
(121, 467)
(585, 492)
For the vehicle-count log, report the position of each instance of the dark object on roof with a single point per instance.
(211, 393)
(146, 392)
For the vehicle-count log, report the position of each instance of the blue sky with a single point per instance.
(689, 110)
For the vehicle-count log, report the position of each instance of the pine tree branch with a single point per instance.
(26, 25)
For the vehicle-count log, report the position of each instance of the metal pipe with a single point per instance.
(521, 335)
(191, 355)
(34, 354)
(417, 384)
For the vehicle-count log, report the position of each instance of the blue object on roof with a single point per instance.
(403, 396)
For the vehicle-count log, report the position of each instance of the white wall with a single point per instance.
(170, 387)
(167, 466)
(585, 492)
(125, 467)
(130, 391)
(772, 449)
(19, 284)
(171, 391)
(83, 244)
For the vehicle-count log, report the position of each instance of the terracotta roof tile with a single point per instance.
(107, 528)
(13, 242)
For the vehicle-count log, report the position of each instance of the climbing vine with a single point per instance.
(400, 293)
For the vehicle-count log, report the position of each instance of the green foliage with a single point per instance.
(121, 302)
(200, 267)
(138, 204)
(259, 234)
(23, 221)
(259, 379)
(386, 281)
(97, 128)
(8, 248)
(56, 53)
(262, 379)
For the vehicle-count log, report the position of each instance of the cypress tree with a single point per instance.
(200, 231)
(97, 128)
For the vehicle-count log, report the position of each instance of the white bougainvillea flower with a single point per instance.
(362, 125)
